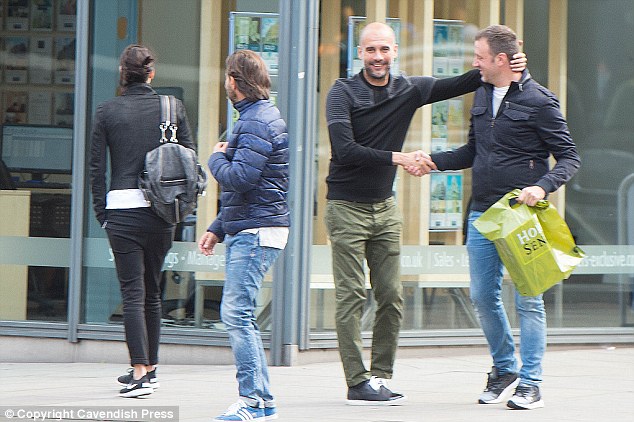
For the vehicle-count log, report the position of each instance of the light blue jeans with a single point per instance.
(246, 264)
(485, 267)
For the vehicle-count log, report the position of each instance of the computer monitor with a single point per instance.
(37, 149)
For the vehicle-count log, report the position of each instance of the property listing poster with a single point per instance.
(17, 15)
(41, 15)
(65, 60)
(16, 60)
(39, 107)
(259, 33)
(448, 120)
(15, 107)
(448, 58)
(446, 201)
(270, 43)
(439, 134)
(66, 15)
(247, 33)
(64, 109)
(41, 61)
(438, 203)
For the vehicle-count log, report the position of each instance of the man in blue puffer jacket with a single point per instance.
(252, 170)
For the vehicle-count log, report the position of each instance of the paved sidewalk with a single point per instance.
(590, 383)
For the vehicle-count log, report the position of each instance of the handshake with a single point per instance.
(416, 163)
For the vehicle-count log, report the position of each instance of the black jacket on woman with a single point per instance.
(128, 127)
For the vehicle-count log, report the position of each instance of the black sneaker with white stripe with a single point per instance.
(124, 380)
(137, 388)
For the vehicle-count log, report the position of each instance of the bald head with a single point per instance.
(377, 29)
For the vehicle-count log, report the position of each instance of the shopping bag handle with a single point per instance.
(515, 193)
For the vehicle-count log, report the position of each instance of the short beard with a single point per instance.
(369, 70)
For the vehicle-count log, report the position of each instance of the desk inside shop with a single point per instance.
(37, 292)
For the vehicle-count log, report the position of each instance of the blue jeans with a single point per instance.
(246, 264)
(485, 267)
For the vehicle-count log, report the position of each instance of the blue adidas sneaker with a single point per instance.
(240, 411)
(270, 413)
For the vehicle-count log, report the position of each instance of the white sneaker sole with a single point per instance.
(506, 394)
(395, 402)
(529, 406)
(138, 393)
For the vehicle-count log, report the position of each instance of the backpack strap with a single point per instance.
(168, 118)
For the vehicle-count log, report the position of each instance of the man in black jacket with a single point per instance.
(516, 125)
(368, 117)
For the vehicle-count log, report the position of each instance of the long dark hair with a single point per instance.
(137, 62)
(250, 73)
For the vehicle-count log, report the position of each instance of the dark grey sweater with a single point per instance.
(366, 124)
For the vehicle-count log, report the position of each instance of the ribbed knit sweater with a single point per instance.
(367, 123)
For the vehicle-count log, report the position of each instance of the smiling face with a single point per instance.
(484, 60)
(377, 49)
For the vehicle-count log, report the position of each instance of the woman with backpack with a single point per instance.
(127, 127)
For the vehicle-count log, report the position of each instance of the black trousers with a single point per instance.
(139, 257)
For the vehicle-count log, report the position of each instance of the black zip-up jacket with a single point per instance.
(128, 127)
(511, 150)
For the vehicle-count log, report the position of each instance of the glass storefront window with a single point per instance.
(36, 110)
(37, 62)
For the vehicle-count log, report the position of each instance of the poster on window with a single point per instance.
(454, 197)
(457, 133)
(355, 26)
(40, 106)
(17, 15)
(41, 61)
(41, 15)
(65, 60)
(247, 33)
(441, 52)
(15, 106)
(448, 57)
(270, 43)
(66, 15)
(446, 201)
(437, 215)
(455, 32)
(16, 60)
(64, 109)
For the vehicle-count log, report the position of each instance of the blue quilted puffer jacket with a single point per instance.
(253, 173)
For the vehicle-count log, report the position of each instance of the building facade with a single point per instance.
(60, 59)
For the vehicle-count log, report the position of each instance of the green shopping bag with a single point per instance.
(534, 243)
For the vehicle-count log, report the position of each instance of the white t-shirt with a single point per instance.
(125, 198)
(498, 95)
